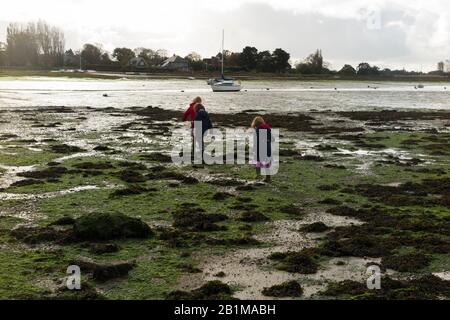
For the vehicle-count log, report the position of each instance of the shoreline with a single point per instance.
(203, 76)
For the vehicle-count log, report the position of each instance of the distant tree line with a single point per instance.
(250, 59)
(93, 56)
(42, 45)
(33, 44)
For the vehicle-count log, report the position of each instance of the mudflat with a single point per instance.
(96, 188)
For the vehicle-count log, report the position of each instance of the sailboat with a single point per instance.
(224, 84)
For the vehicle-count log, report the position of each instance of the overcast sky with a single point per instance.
(414, 34)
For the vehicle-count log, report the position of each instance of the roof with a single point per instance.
(173, 59)
(137, 61)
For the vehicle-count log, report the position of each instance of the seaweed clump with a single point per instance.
(286, 289)
(213, 290)
(196, 220)
(107, 226)
(65, 149)
(304, 261)
(105, 271)
(315, 227)
(252, 216)
(428, 287)
(408, 262)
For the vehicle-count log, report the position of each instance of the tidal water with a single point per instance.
(267, 96)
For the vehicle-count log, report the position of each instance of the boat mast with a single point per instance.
(223, 51)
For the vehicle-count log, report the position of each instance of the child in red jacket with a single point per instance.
(190, 112)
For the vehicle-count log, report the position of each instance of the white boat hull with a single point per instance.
(218, 87)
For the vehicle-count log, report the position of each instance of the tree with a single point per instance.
(234, 60)
(313, 64)
(22, 47)
(195, 61)
(105, 58)
(280, 60)
(35, 44)
(150, 56)
(249, 58)
(193, 57)
(123, 55)
(161, 55)
(91, 54)
(69, 53)
(365, 69)
(347, 69)
(265, 62)
(304, 68)
(2, 54)
(316, 61)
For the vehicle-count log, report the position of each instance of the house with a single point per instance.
(213, 62)
(175, 63)
(137, 62)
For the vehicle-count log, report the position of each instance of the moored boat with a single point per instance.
(224, 84)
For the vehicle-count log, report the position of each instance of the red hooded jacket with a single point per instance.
(190, 113)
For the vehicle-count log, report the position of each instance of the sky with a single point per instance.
(411, 34)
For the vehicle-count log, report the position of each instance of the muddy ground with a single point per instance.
(96, 188)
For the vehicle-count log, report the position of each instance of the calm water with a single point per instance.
(175, 94)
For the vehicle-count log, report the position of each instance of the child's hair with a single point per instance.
(197, 100)
(198, 106)
(257, 122)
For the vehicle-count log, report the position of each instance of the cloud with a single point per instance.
(414, 34)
